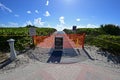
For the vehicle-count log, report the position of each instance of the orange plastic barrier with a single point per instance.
(38, 39)
(69, 41)
(78, 39)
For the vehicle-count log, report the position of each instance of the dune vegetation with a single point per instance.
(107, 37)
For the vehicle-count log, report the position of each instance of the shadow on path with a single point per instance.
(55, 57)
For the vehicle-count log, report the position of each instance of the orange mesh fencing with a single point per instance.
(69, 40)
(78, 39)
(38, 39)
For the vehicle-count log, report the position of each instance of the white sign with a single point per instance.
(32, 31)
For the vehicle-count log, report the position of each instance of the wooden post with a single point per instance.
(83, 41)
(34, 40)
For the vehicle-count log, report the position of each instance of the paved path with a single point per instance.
(77, 71)
(68, 50)
(49, 42)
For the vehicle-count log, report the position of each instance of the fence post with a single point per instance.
(12, 50)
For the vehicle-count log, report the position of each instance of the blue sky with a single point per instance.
(59, 14)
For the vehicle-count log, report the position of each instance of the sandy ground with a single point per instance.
(32, 66)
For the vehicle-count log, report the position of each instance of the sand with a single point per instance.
(32, 65)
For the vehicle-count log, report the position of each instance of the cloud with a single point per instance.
(29, 12)
(47, 3)
(91, 26)
(47, 14)
(61, 19)
(38, 22)
(78, 19)
(62, 24)
(10, 24)
(88, 26)
(36, 11)
(16, 15)
(61, 27)
(3, 7)
(29, 22)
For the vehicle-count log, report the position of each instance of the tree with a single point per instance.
(28, 26)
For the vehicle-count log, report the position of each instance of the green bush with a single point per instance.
(68, 31)
(110, 29)
(21, 36)
(20, 42)
(104, 43)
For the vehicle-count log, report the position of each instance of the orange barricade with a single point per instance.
(78, 39)
(38, 39)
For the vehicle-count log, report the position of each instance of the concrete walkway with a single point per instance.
(68, 55)
(76, 71)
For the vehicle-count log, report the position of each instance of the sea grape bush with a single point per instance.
(21, 36)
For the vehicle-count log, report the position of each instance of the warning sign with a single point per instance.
(32, 31)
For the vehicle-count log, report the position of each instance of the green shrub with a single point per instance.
(104, 43)
(110, 29)
(21, 37)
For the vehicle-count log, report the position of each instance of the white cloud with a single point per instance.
(3, 7)
(47, 3)
(29, 12)
(16, 15)
(10, 24)
(36, 11)
(61, 19)
(28, 22)
(91, 26)
(38, 22)
(88, 26)
(47, 14)
(78, 19)
(61, 27)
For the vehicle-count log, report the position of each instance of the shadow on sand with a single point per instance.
(5, 63)
(111, 57)
(88, 54)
